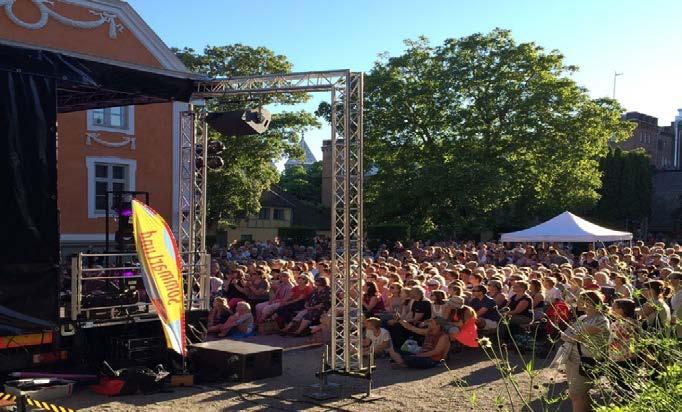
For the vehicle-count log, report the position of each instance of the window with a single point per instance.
(246, 238)
(278, 214)
(107, 174)
(264, 214)
(113, 119)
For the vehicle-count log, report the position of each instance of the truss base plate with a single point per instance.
(326, 385)
(367, 398)
(321, 396)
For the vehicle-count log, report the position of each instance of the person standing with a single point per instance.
(588, 337)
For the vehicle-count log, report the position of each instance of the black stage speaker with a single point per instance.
(235, 361)
(240, 122)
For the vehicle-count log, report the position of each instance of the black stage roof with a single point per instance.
(87, 82)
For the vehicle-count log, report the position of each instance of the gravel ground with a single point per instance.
(472, 382)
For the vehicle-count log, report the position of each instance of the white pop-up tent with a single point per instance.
(566, 227)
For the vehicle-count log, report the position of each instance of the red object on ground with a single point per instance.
(108, 386)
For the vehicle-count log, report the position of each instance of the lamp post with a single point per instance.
(615, 76)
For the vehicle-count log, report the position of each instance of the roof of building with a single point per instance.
(641, 117)
(303, 214)
(308, 156)
(276, 197)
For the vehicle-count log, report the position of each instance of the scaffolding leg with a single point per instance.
(369, 396)
(322, 394)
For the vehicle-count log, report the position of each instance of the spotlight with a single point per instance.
(241, 122)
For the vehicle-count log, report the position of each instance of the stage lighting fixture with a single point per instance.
(215, 162)
(240, 122)
(213, 151)
(124, 210)
(215, 147)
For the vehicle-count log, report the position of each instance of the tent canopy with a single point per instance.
(566, 227)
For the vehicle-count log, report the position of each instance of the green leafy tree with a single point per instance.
(626, 188)
(481, 131)
(303, 182)
(235, 189)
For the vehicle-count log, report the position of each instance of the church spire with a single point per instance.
(308, 156)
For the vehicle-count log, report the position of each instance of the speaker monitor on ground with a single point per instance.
(240, 122)
(235, 361)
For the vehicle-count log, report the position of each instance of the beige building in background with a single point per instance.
(276, 212)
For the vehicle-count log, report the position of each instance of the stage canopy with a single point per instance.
(566, 227)
(89, 82)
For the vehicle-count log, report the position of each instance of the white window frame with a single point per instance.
(90, 163)
(129, 130)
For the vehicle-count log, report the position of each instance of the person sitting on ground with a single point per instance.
(495, 292)
(589, 283)
(439, 307)
(675, 280)
(382, 288)
(234, 288)
(434, 349)
(462, 326)
(375, 337)
(552, 292)
(520, 307)
(624, 328)
(537, 295)
(394, 300)
(655, 313)
(258, 288)
(297, 300)
(284, 290)
(240, 324)
(420, 310)
(405, 306)
(486, 309)
(218, 315)
(623, 289)
(216, 281)
(574, 290)
(317, 304)
(372, 301)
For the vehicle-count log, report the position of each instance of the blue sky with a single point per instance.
(643, 40)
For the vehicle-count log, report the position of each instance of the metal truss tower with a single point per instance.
(345, 351)
(192, 201)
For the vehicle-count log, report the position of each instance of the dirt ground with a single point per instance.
(472, 382)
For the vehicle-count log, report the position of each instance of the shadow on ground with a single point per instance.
(446, 388)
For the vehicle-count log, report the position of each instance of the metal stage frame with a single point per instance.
(344, 354)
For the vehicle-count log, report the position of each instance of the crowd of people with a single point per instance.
(423, 301)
